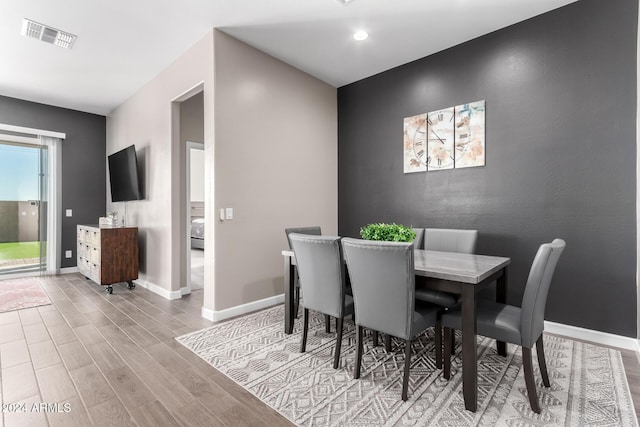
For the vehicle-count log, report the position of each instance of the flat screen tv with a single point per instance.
(123, 175)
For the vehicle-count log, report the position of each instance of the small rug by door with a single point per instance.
(16, 294)
(588, 383)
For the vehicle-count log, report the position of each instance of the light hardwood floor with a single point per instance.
(114, 360)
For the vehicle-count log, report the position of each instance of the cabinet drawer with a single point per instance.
(84, 266)
(94, 273)
(82, 234)
(93, 254)
(93, 237)
(81, 251)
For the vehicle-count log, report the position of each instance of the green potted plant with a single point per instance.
(387, 232)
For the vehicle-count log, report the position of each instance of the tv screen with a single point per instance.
(123, 175)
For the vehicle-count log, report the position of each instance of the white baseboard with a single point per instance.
(591, 335)
(597, 337)
(216, 316)
(170, 295)
(208, 314)
(164, 293)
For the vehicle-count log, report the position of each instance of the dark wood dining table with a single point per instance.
(461, 274)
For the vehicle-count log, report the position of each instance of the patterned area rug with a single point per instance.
(16, 294)
(588, 383)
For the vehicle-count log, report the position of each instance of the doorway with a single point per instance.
(195, 193)
(188, 137)
(23, 207)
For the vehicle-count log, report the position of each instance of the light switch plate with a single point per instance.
(229, 213)
(69, 212)
(221, 214)
(68, 254)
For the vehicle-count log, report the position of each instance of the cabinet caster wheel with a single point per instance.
(109, 289)
(132, 285)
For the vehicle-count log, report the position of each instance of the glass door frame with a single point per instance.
(43, 196)
(53, 140)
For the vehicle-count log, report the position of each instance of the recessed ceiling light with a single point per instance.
(344, 2)
(360, 35)
(47, 34)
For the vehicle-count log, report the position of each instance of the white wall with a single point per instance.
(145, 120)
(272, 158)
(276, 165)
(197, 175)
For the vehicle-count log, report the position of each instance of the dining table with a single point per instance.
(458, 273)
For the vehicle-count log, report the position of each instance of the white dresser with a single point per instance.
(108, 255)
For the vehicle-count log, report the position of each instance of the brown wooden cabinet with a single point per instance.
(108, 255)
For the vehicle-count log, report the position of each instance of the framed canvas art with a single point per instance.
(440, 137)
(415, 143)
(469, 135)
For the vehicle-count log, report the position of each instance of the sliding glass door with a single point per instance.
(23, 207)
(43, 196)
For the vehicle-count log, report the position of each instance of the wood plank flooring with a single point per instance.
(112, 360)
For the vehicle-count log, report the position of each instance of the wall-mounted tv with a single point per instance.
(123, 175)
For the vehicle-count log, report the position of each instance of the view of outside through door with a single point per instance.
(22, 207)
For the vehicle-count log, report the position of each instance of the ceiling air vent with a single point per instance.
(49, 35)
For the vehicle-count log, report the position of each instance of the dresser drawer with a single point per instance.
(93, 236)
(82, 234)
(93, 254)
(84, 266)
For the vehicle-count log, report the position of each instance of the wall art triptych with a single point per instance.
(445, 139)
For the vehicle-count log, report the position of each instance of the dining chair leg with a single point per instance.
(336, 357)
(375, 338)
(296, 301)
(407, 366)
(327, 323)
(437, 338)
(356, 371)
(542, 362)
(530, 380)
(387, 343)
(305, 329)
(446, 372)
(453, 342)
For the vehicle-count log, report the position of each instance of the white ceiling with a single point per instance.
(122, 44)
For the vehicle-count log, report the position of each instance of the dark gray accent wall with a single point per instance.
(83, 160)
(560, 93)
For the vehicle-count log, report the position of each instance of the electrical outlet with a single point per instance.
(68, 254)
(69, 212)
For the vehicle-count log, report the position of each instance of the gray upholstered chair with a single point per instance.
(323, 282)
(314, 230)
(517, 325)
(450, 240)
(383, 284)
(418, 241)
(445, 240)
